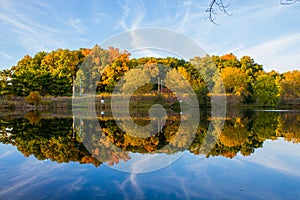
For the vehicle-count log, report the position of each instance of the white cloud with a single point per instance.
(149, 52)
(143, 53)
(282, 53)
(27, 177)
(27, 31)
(262, 30)
(31, 175)
(279, 155)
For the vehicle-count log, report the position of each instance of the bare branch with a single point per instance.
(219, 5)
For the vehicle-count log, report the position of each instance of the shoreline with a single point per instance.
(62, 102)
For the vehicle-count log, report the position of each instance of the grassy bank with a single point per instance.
(143, 102)
(15, 103)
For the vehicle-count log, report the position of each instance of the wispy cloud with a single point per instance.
(6, 153)
(122, 22)
(98, 17)
(78, 25)
(28, 176)
(28, 30)
(28, 27)
(133, 14)
(138, 53)
(5, 55)
(272, 45)
(140, 164)
(278, 155)
(188, 17)
(31, 176)
(137, 166)
(77, 184)
(282, 53)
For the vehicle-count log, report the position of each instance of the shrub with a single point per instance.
(34, 98)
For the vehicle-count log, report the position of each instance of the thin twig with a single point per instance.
(212, 12)
(218, 4)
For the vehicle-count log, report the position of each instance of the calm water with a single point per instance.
(257, 156)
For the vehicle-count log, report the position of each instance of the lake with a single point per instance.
(56, 156)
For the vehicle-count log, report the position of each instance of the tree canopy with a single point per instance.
(55, 73)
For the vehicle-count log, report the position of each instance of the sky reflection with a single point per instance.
(271, 172)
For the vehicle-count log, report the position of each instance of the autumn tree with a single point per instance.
(112, 68)
(249, 66)
(233, 134)
(235, 80)
(100, 69)
(47, 73)
(49, 138)
(33, 98)
(133, 83)
(290, 84)
(60, 66)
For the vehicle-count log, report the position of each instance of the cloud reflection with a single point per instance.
(279, 155)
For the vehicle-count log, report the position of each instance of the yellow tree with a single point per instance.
(233, 134)
(115, 66)
(290, 84)
(235, 80)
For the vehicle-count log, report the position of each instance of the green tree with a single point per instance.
(250, 67)
(47, 73)
(227, 60)
(5, 82)
(266, 90)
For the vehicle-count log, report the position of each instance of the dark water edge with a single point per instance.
(52, 103)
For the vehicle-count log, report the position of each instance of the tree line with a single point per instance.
(52, 73)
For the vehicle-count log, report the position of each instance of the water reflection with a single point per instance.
(55, 138)
(45, 138)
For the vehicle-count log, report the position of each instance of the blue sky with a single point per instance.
(265, 30)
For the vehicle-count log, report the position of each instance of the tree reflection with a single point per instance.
(244, 136)
(56, 139)
(45, 139)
